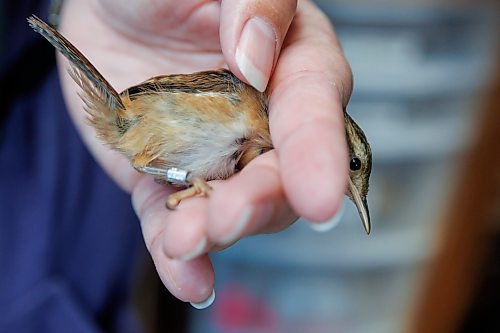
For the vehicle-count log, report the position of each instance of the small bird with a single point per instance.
(187, 129)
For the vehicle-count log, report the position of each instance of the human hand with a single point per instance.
(305, 174)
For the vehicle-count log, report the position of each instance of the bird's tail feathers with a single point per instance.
(102, 102)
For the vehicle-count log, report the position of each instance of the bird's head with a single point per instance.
(360, 167)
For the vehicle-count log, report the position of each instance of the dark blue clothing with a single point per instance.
(69, 239)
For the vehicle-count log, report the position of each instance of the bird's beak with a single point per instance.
(361, 205)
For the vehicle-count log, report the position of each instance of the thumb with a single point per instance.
(251, 34)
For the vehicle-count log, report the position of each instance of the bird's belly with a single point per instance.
(209, 158)
(199, 133)
(210, 150)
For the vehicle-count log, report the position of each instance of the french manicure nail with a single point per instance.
(239, 226)
(206, 303)
(199, 248)
(331, 223)
(255, 52)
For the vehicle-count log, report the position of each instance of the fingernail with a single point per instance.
(200, 247)
(239, 226)
(331, 223)
(206, 303)
(255, 52)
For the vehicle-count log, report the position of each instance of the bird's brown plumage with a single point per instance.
(208, 123)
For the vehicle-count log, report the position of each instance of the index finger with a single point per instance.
(311, 83)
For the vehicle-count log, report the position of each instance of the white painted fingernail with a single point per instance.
(331, 223)
(206, 303)
(255, 52)
(199, 249)
(239, 226)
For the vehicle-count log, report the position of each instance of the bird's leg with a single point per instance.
(198, 186)
(174, 176)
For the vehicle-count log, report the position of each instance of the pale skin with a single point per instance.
(306, 173)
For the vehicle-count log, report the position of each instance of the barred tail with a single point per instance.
(102, 101)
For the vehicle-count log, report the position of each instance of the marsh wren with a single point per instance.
(187, 129)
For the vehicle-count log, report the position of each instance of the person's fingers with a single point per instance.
(251, 34)
(185, 234)
(189, 280)
(311, 83)
(148, 201)
(176, 232)
(250, 202)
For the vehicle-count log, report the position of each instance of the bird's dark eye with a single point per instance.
(355, 164)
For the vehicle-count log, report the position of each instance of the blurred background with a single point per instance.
(420, 72)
